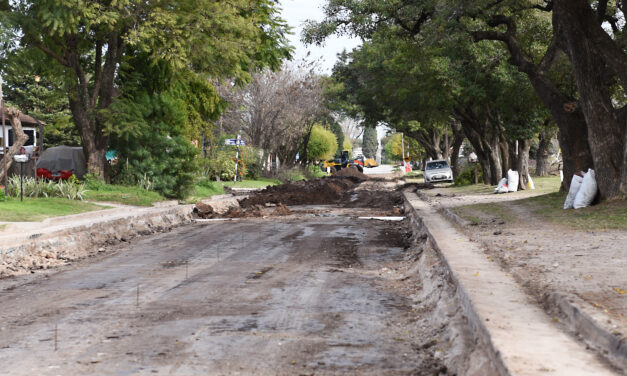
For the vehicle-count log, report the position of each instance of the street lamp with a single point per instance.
(21, 159)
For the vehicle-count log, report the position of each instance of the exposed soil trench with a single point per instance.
(318, 291)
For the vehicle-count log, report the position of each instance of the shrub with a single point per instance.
(467, 176)
(314, 171)
(220, 166)
(71, 189)
(322, 144)
(289, 175)
(252, 162)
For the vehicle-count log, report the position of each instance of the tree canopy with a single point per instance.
(89, 41)
(512, 67)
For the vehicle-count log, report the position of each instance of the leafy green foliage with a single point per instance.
(394, 149)
(371, 142)
(101, 48)
(467, 176)
(45, 100)
(339, 135)
(322, 143)
(347, 145)
(220, 166)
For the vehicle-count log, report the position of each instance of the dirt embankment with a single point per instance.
(350, 191)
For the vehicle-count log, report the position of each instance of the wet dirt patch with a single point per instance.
(343, 251)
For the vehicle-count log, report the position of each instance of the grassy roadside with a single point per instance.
(546, 205)
(122, 194)
(31, 209)
(207, 189)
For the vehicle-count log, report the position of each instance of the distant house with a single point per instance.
(32, 127)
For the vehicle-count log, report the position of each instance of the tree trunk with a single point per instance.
(458, 139)
(482, 156)
(18, 142)
(573, 131)
(505, 156)
(542, 155)
(522, 163)
(93, 140)
(495, 160)
(587, 48)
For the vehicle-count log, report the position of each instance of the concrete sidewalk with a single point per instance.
(521, 337)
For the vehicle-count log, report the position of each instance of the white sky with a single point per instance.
(296, 12)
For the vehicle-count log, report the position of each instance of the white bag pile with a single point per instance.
(502, 187)
(582, 191)
(512, 180)
(508, 184)
(575, 184)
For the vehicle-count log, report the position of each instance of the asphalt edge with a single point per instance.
(482, 334)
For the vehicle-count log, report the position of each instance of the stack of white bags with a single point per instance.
(582, 191)
(510, 183)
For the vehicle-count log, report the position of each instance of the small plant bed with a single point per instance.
(126, 195)
(38, 209)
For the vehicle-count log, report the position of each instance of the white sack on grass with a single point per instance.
(530, 184)
(502, 187)
(575, 184)
(512, 180)
(588, 190)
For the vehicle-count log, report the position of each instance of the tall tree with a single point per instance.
(535, 45)
(339, 135)
(371, 142)
(88, 40)
(276, 110)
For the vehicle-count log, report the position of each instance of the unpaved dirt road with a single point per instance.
(304, 294)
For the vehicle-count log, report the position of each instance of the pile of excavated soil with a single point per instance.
(324, 191)
(351, 171)
(205, 211)
(257, 211)
(334, 190)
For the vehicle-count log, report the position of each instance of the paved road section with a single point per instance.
(279, 296)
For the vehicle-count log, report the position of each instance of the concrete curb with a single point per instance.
(587, 328)
(577, 320)
(57, 248)
(481, 332)
(519, 337)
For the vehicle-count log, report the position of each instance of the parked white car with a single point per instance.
(436, 171)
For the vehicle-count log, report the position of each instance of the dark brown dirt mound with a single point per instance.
(351, 171)
(415, 186)
(324, 191)
(268, 210)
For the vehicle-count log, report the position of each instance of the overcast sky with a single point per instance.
(295, 12)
